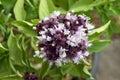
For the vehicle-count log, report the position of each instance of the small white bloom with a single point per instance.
(49, 38)
(66, 32)
(42, 32)
(41, 56)
(60, 27)
(83, 16)
(57, 13)
(89, 26)
(44, 37)
(46, 18)
(58, 62)
(34, 28)
(52, 31)
(36, 44)
(86, 53)
(89, 44)
(77, 22)
(68, 23)
(63, 55)
(37, 53)
(39, 38)
(41, 49)
(62, 52)
(53, 44)
(68, 16)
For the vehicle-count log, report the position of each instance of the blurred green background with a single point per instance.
(18, 17)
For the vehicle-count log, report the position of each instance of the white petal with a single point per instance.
(86, 53)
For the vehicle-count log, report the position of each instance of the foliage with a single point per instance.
(17, 37)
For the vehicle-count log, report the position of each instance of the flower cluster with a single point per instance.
(63, 37)
(28, 76)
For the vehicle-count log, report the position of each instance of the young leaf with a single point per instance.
(2, 48)
(96, 33)
(75, 72)
(66, 68)
(25, 27)
(85, 5)
(15, 52)
(33, 43)
(8, 5)
(98, 45)
(87, 74)
(55, 73)
(19, 11)
(100, 29)
(71, 2)
(62, 4)
(45, 8)
(80, 70)
(4, 67)
(44, 69)
(81, 5)
(83, 71)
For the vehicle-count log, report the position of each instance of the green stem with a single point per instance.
(9, 76)
(14, 70)
(85, 62)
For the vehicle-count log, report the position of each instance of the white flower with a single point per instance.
(86, 53)
(62, 52)
(49, 38)
(58, 62)
(52, 31)
(46, 18)
(89, 26)
(37, 53)
(60, 27)
(55, 14)
(66, 32)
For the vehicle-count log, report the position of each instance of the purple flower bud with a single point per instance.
(28, 76)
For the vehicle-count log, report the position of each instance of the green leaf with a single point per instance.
(115, 10)
(80, 70)
(75, 71)
(8, 4)
(33, 43)
(96, 33)
(62, 4)
(66, 68)
(2, 19)
(45, 8)
(4, 67)
(100, 29)
(2, 48)
(87, 74)
(82, 5)
(83, 71)
(0, 2)
(44, 69)
(8, 17)
(55, 73)
(25, 27)
(19, 11)
(85, 5)
(31, 10)
(30, 4)
(15, 52)
(71, 2)
(35, 21)
(98, 45)
(2, 29)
